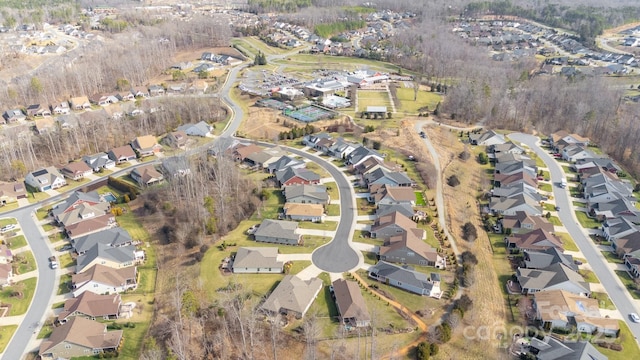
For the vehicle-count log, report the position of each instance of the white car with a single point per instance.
(8, 227)
(634, 317)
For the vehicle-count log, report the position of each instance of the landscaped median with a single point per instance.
(6, 333)
(18, 296)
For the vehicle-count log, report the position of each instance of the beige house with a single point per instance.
(80, 337)
(146, 145)
(11, 192)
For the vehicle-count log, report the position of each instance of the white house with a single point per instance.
(45, 179)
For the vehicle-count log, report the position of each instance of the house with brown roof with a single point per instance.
(292, 296)
(44, 125)
(76, 170)
(559, 309)
(555, 277)
(522, 222)
(177, 139)
(257, 260)
(80, 337)
(11, 192)
(78, 207)
(538, 239)
(304, 212)
(241, 152)
(350, 304)
(80, 103)
(37, 110)
(104, 280)
(391, 195)
(91, 305)
(122, 154)
(6, 273)
(408, 248)
(146, 175)
(393, 224)
(146, 145)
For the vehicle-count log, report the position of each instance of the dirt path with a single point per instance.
(615, 30)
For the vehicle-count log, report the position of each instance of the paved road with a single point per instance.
(612, 284)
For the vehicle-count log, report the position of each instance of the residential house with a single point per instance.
(146, 175)
(522, 223)
(555, 277)
(283, 163)
(278, 232)
(605, 186)
(45, 179)
(391, 195)
(80, 206)
(262, 159)
(6, 274)
(374, 163)
(198, 86)
(360, 154)
(176, 166)
(408, 248)
(394, 224)
(340, 148)
(113, 257)
(104, 280)
(618, 228)
(550, 348)
(487, 138)
(292, 176)
(201, 129)
(292, 296)
(615, 208)
(99, 161)
(80, 103)
(559, 140)
(92, 306)
(156, 90)
(177, 139)
(514, 167)
(44, 125)
(538, 239)
(511, 205)
(76, 170)
(540, 259)
(13, 116)
(241, 152)
(66, 122)
(37, 110)
(627, 245)
(404, 277)
(114, 237)
(573, 153)
(125, 96)
(306, 194)
(60, 109)
(257, 260)
(304, 212)
(122, 154)
(516, 179)
(506, 148)
(6, 256)
(350, 304)
(11, 192)
(387, 209)
(559, 309)
(604, 163)
(312, 140)
(114, 111)
(633, 264)
(381, 176)
(90, 225)
(80, 337)
(146, 145)
(140, 92)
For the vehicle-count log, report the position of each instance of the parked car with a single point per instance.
(634, 317)
(53, 262)
(8, 227)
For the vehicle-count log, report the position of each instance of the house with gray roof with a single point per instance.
(613, 209)
(201, 129)
(99, 161)
(312, 140)
(540, 259)
(605, 186)
(263, 158)
(551, 348)
(555, 277)
(404, 209)
(306, 194)
(285, 162)
(350, 304)
(627, 246)
(522, 223)
(604, 163)
(113, 257)
(114, 237)
(510, 168)
(79, 337)
(506, 148)
(510, 205)
(92, 306)
(404, 277)
(278, 232)
(292, 296)
(78, 207)
(538, 239)
(573, 153)
(45, 179)
(292, 176)
(381, 176)
(341, 148)
(257, 260)
(618, 227)
(360, 154)
(487, 138)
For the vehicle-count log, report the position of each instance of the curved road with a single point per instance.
(616, 290)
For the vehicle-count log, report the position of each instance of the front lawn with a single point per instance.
(35, 197)
(603, 300)
(54, 238)
(628, 283)
(43, 213)
(555, 220)
(16, 242)
(333, 210)
(25, 262)
(545, 187)
(332, 190)
(587, 222)
(365, 207)
(630, 348)
(567, 241)
(420, 199)
(48, 227)
(6, 333)
(549, 207)
(424, 99)
(589, 276)
(18, 296)
(327, 225)
(8, 207)
(612, 257)
(65, 284)
(8, 221)
(66, 260)
(313, 241)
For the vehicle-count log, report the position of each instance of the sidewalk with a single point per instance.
(316, 232)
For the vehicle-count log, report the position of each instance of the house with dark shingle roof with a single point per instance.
(114, 237)
(122, 154)
(555, 277)
(80, 337)
(283, 163)
(45, 179)
(306, 194)
(360, 154)
(404, 277)
(350, 304)
(391, 195)
(146, 175)
(386, 209)
(291, 176)
(522, 223)
(551, 348)
(487, 138)
(408, 248)
(201, 129)
(76, 170)
(393, 224)
(538, 239)
(278, 232)
(113, 257)
(293, 296)
(540, 259)
(99, 161)
(382, 176)
(257, 260)
(78, 207)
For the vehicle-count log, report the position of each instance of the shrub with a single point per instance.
(204, 248)
(453, 181)
(464, 155)
(423, 352)
(469, 231)
(483, 158)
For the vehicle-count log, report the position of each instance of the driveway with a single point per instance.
(616, 290)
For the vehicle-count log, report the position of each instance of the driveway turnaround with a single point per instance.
(616, 290)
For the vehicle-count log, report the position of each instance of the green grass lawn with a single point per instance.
(578, 203)
(318, 170)
(630, 348)
(19, 305)
(16, 242)
(43, 212)
(6, 332)
(604, 300)
(270, 207)
(8, 221)
(9, 207)
(54, 238)
(555, 220)
(65, 284)
(548, 207)
(48, 227)
(327, 225)
(589, 276)
(298, 266)
(338, 62)
(26, 263)
(370, 258)
(333, 210)
(586, 221)
(332, 190)
(66, 261)
(35, 197)
(612, 257)
(628, 283)
(45, 331)
(358, 235)
(424, 99)
(420, 199)
(313, 241)
(567, 241)
(78, 183)
(545, 187)
(373, 98)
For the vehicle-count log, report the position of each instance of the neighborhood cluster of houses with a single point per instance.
(106, 257)
(561, 296)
